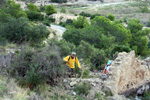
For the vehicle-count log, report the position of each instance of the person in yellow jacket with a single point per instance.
(70, 61)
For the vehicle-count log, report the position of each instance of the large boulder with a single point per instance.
(126, 72)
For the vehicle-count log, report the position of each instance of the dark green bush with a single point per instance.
(3, 88)
(35, 66)
(139, 36)
(111, 17)
(81, 22)
(146, 96)
(12, 9)
(86, 73)
(134, 25)
(35, 16)
(20, 30)
(42, 8)
(144, 9)
(51, 19)
(108, 93)
(83, 88)
(148, 23)
(49, 9)
(84, 14)
(33, 8)
(65, 47)
(125, 19)
(120, 48)
(91, 55)
(62, 24)
(46, 22)
(93, 16)
(59, 1)
(148, 44)
(69, 21)
(101, 32)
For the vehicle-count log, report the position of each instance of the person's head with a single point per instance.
(73, 54)
(109, 63)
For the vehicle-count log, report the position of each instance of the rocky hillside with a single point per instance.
(127, 73)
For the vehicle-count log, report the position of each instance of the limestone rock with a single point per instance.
(74, 93)
(73, 83)
(65, 81)
(93, 84)
(126, 72)
(103, 76)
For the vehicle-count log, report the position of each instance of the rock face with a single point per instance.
(127, 72)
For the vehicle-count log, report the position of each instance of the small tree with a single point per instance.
(32, 7)
(134, 25)
(50, 10)
(80, 22)
(111, 17)
(14, 9)
(145, 9)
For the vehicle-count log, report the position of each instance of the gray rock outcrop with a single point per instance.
(127, 72)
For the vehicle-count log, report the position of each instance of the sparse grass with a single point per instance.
(83, 88)
(99, 96)
(3, 87)
(9, 90)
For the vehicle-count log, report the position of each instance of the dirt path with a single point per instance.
(59, 30)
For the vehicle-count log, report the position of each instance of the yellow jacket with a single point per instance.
(71, 62)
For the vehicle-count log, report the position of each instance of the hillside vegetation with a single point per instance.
(37, 67)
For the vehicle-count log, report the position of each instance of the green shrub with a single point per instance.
(83, 88)
(20, 30)
(148, 23)
(35, 16)
(35, 66)
(49, 9)
(12, 9)
(86, 73)
(62, 23)
(59, 1)
(69, 21)
(42, 8)
(135, 49)
(81, 22)
(77, 71)
(22, 14)
(65, 47)
(125, 19)
(120, 48)
(33, 8)
(144, 9)
(98, 96)
(51, 19)
(63, 10)
(108, 93)
(146, 96)
(46, 22)
(148, 44)
(33, 77)
(139, 36)
(3, 88)
(84, 14)
(93, 16)
(95, 56)
(111, 17)
(134, 25)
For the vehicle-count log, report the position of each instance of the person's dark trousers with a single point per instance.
(70, 72)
